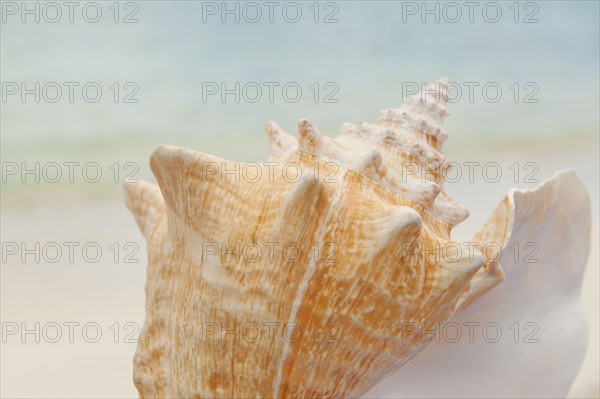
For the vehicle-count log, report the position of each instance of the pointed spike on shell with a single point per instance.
(145, 201)
(300, 203)
(423, 192)
(313, 142)
(462, 260)
(175, 168)
(371, 164)
(169, 156)
(433, 97)
(449, 211)
(308, 186)
(427, 193)
(404, 222)
(348, 128)
(400, 228)
(310, 139)
(439, 90)
(280, 142)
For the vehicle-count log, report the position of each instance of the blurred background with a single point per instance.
(89, 92)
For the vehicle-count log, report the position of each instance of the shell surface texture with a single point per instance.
(314, 274)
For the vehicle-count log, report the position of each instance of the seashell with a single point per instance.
(367, 216)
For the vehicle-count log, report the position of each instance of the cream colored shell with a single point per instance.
(367, 215)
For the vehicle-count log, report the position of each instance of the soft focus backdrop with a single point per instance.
(97, 87)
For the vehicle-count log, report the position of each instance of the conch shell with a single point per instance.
(314, 274)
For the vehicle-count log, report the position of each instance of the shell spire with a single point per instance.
(424, 112)
(401, 150)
